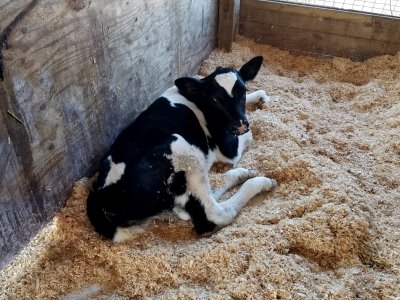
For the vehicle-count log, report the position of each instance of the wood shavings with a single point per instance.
(329, 230)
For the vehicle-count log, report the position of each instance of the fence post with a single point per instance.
(228, 22)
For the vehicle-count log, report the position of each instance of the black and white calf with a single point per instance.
(161, 161)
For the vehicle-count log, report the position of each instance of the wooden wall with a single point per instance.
(75, 73)
(319, 31)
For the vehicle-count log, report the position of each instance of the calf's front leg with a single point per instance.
(223, 213)
(259, 96)
(232, 178)
(206, 213)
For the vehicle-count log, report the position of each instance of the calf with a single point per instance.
(161, 161)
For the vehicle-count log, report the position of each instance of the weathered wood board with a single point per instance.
(228, 23)
(76, 73)
(319, 31)
(9, 9)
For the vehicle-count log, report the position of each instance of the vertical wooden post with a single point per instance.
(228, 22)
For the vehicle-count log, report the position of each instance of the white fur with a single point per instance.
(223, 213)
(188, 158)
(174, 97)
(127, 233)
(181, 213)
(227, 81)
(257, 96)
(181, 200)
(247, 191)
(244, 142)
(115, 173)
(179, 204)
(233, 177)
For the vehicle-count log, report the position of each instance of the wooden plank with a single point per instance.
(236, 14)
(13, 13)
(319, 30)
(197, 42)
(9, 9)
(17, 202)
(302, 40)
(228, 23)
(76, 75)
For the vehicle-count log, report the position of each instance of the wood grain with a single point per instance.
(76, 73)
(228, 22)
(318, 30)
(9, 9)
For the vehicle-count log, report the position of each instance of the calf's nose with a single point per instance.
(243, 126)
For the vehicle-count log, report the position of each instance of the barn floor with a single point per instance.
(330, 136)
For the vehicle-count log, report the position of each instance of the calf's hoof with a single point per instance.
(261, 184)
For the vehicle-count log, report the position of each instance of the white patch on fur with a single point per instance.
(233, 177)
(180, 201)
(226, 211)
(244, 142)
(227, 81)
(127, 233)
(188, 158)
(115, 173)
(174, 97)
(181, 213)
(179, 204)
(257, 96)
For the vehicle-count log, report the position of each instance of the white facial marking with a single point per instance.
(226, 81)
(115, 173)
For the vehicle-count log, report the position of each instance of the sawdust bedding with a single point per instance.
(330, 230)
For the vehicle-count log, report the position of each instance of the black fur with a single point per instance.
(149, 183)
(196, 211)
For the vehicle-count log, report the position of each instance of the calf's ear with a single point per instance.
(188, 85)
(250, 69)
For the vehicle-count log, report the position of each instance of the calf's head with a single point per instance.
(221, 96)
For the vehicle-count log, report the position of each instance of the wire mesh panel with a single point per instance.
(382, 7)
